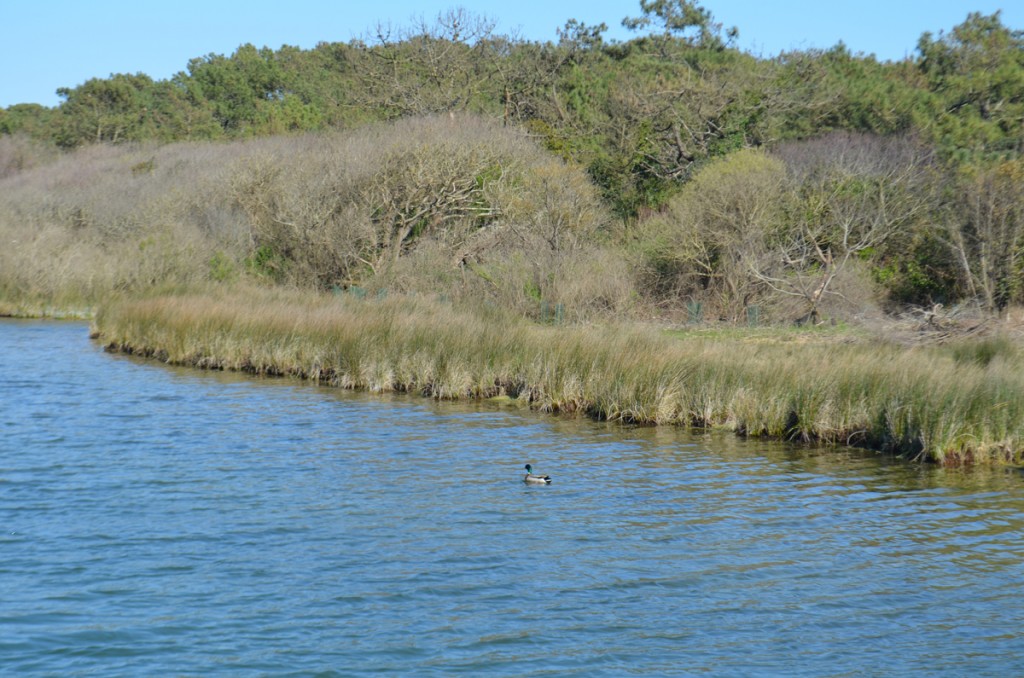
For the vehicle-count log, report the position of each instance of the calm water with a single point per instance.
(158, 521)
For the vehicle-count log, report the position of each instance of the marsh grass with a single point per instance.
(927, 403)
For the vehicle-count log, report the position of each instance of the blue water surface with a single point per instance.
(161, 521)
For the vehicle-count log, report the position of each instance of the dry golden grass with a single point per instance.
(949, 405)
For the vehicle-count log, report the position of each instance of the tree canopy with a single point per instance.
(653, 119)
(640, 114)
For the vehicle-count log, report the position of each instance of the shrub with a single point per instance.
(710, 242)
(354, 205)
(422, 205)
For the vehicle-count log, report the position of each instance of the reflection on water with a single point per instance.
(163, 521)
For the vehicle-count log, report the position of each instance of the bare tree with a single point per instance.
(429, 68)
(427, 189)
(854, 193)
(984, 230)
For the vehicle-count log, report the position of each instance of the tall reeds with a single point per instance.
(925, 403)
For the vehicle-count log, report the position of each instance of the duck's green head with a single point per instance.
(529, 469)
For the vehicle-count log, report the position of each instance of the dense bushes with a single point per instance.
(641, 115)
(349, 207)
(804, 185)
(711, 243)
(794, 231)
(465, 208)
(430, 205)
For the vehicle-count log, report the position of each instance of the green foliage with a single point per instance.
(643, 118)
(682, 18)
(30, 120)
(709, 243)
(985, 350)
(914, 278)
(976, 73)
(222, 268)
(532, 290)
(639, 115)
(104, 110)
(264, 262)
(242, 89)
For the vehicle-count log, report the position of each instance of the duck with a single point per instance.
(532, 479)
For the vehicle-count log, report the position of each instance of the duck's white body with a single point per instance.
(533, 479)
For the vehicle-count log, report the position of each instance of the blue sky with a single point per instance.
(46, 44)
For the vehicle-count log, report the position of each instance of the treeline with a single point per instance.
(737, 178)
(639, 114)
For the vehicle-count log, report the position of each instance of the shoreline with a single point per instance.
(924, 404)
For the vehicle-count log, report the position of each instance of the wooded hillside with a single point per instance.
(727, 178)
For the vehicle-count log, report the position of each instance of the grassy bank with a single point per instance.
(950, 405)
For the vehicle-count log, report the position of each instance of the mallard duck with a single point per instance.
(535, 479)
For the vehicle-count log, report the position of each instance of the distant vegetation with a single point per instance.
(384, 214)
(461, 207)
(671, 171)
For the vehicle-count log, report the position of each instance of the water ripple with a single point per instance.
(161, 521)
